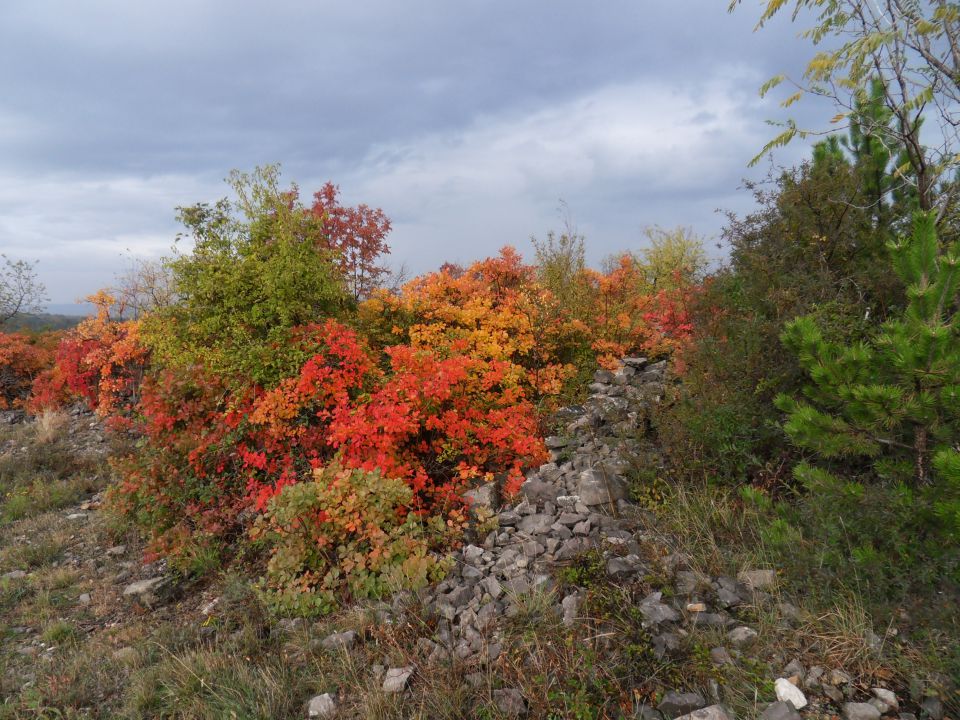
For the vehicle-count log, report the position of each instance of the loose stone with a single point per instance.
(788, 692)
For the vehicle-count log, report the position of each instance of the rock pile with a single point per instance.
(580, 501)
(570, 505)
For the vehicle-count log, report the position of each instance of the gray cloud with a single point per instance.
(465, 121)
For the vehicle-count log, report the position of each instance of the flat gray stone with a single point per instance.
(536, 524)
(788, 692)
(322, 706)
(340, 640)
(538, 491)
(860, 711)
(780, 711)
(887, 697)
(397, 679)
(675, 704)
(758, 579)
(657, 612)
(510, 702)
(714, 712)
(742, 636)
(594, 488)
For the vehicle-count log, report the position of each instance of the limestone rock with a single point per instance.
(340, 640)
(537, 524)
(510, 702)
(742, 636)
(714, 712)
(860, 711)
(780, 711)
(887, 698)
(536, 490)
(675, 704)
(397, 679)
(758, 579)
(788, 692)
(322, 706)
(596, 489)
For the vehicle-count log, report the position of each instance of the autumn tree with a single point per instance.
(357, 236)
(910, 52)
(20, 290)
(255, 272)
(673, 258)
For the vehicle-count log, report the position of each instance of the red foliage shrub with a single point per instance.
(23, 358)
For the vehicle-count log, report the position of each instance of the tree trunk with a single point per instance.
(920, 460)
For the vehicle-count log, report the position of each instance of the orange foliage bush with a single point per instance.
(630, 318)
(445, 386)
(101, 361)
(23, 358)
(213, 455)
(492, 311)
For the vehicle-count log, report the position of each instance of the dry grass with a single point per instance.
(48, 425)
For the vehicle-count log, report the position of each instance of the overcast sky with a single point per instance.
(467, 121)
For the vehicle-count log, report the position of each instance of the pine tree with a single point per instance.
(871, 143)
(894, 399)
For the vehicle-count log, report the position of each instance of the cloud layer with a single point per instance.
(467, 122)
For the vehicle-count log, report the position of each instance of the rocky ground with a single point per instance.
(568, 603)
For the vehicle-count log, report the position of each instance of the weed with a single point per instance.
(60, 632)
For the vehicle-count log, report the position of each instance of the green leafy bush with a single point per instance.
(346, 533)
(256, 270)
(811, 247)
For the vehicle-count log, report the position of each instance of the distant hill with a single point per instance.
(41, 321)
(75, 308)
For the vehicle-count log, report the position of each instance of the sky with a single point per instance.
(472, 123)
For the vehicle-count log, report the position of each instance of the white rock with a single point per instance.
(887, 698)
(397, 679)
(322, 706)
(788, 692)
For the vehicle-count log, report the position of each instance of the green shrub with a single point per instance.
(346, 532)
(885, 411)
(256, 270)
(810, 248)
